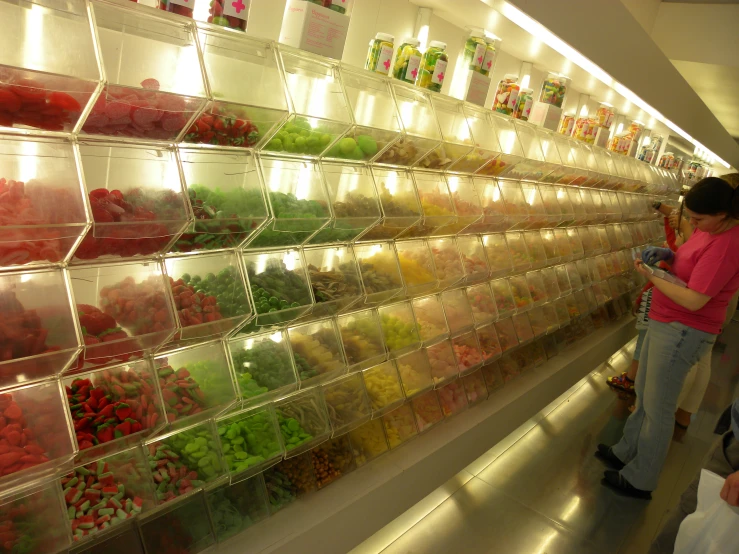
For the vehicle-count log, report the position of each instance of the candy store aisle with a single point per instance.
(539, 491)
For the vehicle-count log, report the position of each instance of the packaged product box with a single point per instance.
(314, 29)
(545, 115)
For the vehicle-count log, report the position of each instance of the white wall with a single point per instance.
(644, 11)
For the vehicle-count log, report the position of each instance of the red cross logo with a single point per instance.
(414, 73)
(441, 77)
(238, 6)
(479, 60)
(490, 64)
(387, 64)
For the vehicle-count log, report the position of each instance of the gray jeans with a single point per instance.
(722, 460)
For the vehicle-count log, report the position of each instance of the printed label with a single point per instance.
(479, 55)
(237, 8)
(414, 65)
(609, 120)
(384, 59)
(527, 107)
(186, 3)
(489, 60)
(512, 99)
(439, 72)
(477, 91)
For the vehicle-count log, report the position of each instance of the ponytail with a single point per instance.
(713, 196)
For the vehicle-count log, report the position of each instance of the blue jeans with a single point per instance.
(668, 353)
(639, 344)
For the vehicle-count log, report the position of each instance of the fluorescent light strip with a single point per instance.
(547, 37)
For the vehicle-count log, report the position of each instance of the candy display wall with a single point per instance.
(253, 290)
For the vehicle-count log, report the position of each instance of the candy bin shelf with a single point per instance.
(421, 133)
(114, 304)
(209, 294)
(317, 352)
(179, 528)
(482, 302)
(486, 147)
(517, 208)
(334, 278)
(400, 426)
(474, 386)
(298, 200)
(375, 115)
(400, 329)
(185, 461)
(380, 272)
(494, 211)
(289, 480)
(263, 366)
(332, 460)
(38, 337)
(101, 494)
(538, 216)
(195, 382)
(521, 293)
(447, 262)
(319, 113)
(457, 141)
(537, 288)
(226, 197)
(384, 390)
(236, 506)
(38, 415)
(354, 201)
(511, 153)
(474, 260)
(457, 310)
(498, 256)
(506, 334)
(248, 96)
(304, 421)
(417, 267)
(443, 362)
(146, 97)
(493, 378)
(34, 519)
(452, 398)
(250, 441)
(533, 167)
(368, 442)
(362, 338)
(123, 539)
(535, 248)
(427, 411)
(490, 347)
(136, 198)
(43, 209)
(114, 408)
(415, 373)
(552, 283)
(467, 352)
(346, 403)
(401, 208)
(432, 322)
(551, 247)
(437, 208)
(59, 78)
(503, 296)
(466, 203)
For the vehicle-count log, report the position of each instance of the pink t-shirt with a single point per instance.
(710, 265)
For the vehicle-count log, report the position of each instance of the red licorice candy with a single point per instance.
(147, 113)
(21, 330)
(182, 395)
(139, 212)
(139, 307)
(25, 216)
(19, 449)
(99, 328)
(27, 102)
(116, 405)
(224, 125)
(194, 308)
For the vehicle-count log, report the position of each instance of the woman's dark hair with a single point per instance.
(712, 196)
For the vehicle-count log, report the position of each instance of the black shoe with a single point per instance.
(615, 481)
(605, 454)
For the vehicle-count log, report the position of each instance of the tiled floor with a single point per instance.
(539, 491)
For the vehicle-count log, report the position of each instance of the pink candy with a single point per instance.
(467, 353)
(452, 398)
(441, 359)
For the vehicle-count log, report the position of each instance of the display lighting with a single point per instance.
(547, 37)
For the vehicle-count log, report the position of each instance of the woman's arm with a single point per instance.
(682, 296)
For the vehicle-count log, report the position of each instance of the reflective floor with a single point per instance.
(539, 491)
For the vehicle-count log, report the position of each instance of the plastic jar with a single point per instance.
(408, 61)
(433, 66)
(605, 115)
(180, 7)
(341, 6)
(582, 128)
(380, 53)
(523, 104)
(554, 89)
(566, 125)
(229, 13)
(506, 96)
(491, 54)
(474, 50)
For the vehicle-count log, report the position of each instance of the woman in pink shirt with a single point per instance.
(684, 323)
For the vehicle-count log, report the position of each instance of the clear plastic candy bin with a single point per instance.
(437, 208)
(432, 323)
(380, 272)
(400, 426)
(399, 328)
(427, 411)
(496, 250)
(42, 215)
(362, 339)
(384, 390)
(334, 278)
(368, 442)
(146, 97)
(458, 311)
(317, 352)
(347, 403)
(467, 205)
(38, 336)
(303, 420)
(401, 208)
(209, 294)
(179, 528)
(482, 302)
(415, 373)
(417, 267)
(124, 310)
(263, 366)
(443, 362)
(50, 71)
(237, 506)
(226, 196)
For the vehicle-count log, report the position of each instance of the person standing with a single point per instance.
(684, 323)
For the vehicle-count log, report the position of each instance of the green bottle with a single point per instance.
(433, 66)
(408, 61)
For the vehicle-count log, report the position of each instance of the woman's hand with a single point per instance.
(730, 492)
(675, 220)
(652, 255)
(639, 265)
